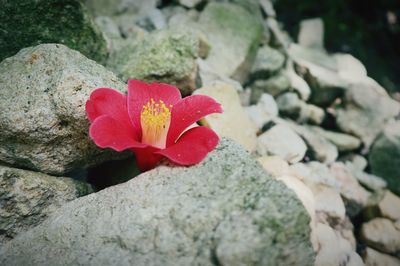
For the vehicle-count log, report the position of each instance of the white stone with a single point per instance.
(374, 258)
(333, 249)
(380, 233)
(390, 206)
(350, 68)
(311, 33)
(297, 83)
(274, 165)
(282, 141)
(328, 204)
(233, 122)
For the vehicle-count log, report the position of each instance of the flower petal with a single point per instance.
(108, 132)
(139, 93)
(188, 111)
(192, 146)
(105, 101)
(146, 158)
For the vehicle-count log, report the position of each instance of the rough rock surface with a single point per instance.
(138, 8)
(374, 258)
(43, 124)
(268, 61)
(163, 56)
(360, 115)
(224, 211)
(282, 141)
(384, 157)
(380, 233)
(234, 34)
(31, 22)
(27, 198)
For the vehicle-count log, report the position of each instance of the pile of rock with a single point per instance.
(316, 185)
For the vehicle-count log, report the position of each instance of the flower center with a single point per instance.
(155, 119)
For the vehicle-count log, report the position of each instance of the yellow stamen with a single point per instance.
(155, 119)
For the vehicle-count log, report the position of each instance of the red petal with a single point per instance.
(105, 101)
(107, 132)
(188, 111)
(146, 158)
(139, 93)
(192, 146)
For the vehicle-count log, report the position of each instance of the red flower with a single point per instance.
(152, 121)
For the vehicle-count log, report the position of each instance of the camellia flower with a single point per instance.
(153, 121)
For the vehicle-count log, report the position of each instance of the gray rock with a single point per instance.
(43, 121)
(263, 111)
(311, 33)
(208, 76)
(360, 115)
(381, 234)
(281, 140)
(137, 8)
(291, 106)
(163, 56)
(108, 26)
(190, 3)
(319, 147)
(372, 257)
(27, 198)
(275, 85)
(154, 20)
(234, 34)
(297, 83)
(268, 61)
(27, 23)
(224, 211)
(384, 157)
(280, 37)
(268, 8)
(343, 142)
(320, 71)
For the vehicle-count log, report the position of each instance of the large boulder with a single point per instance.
(384, 157)
(27, 198)
(31, 22)
(225, 211)
(234, 34)
(163, 56)
(43, 124)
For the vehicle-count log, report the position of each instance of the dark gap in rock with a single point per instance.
(112, 173)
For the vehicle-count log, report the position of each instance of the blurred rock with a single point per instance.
(282, 141)
(354, 195)
(329, 205)
(234, 34)
(268, 8)
(297, 83)
(153, 20)
(350, 68)
(374, 258)
(384, 157)
(319, 148)
(280, 37)
(274, 165)
(360, 115)
(333, 249)
(381, 234)
(226, 210)
(226, 124)
(209, 76)
(163, 56)
(263, 111)
(27, 198)
(268, 61)
(320, 71)
(43, 121)
(311, 33)
(190, 3)
(343, 142)
(291, 106)
(27, 23)
(390, 206)
(136, 8)
(275, 85)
